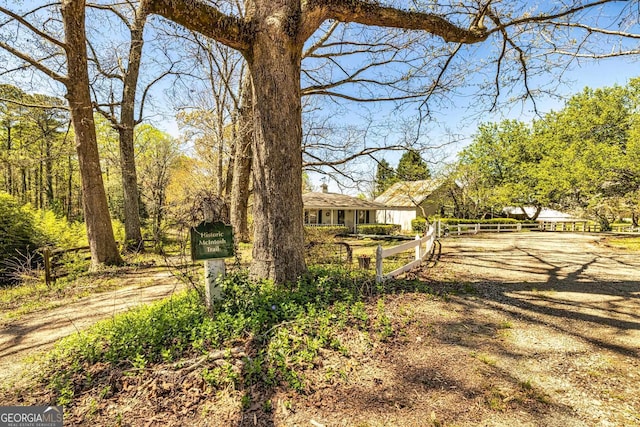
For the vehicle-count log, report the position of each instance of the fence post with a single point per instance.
(477, 228)
(47, 266)
(379, 264)
(417, 250)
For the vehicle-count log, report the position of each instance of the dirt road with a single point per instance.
(38, 331)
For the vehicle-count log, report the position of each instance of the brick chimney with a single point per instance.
(325, 188)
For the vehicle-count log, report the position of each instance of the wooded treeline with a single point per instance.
(37, 156)
(583, 159)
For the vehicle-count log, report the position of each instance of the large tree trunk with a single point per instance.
(133, 235)
(98, 222)
(242, 159)
(274, 63)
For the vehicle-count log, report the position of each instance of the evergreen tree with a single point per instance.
(385, 177)
(412, 167)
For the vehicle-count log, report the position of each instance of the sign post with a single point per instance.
(212, 242)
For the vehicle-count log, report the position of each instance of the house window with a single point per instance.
(310, 216)
(341, 217)
(364, 217)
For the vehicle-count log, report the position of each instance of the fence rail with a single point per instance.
(53, 261)
(423, 246)
(439, 230)
(571, 226)
(460, 229)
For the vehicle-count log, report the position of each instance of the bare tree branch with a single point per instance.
(32, 105)
(34, 63)
(205, 19)
(32, 28)
(370, 13)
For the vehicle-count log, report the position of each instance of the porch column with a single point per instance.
(355, 221)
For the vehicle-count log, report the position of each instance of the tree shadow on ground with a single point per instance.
(572, 292)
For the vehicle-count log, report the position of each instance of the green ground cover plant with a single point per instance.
(286, 329)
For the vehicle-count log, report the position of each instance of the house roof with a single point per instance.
(408, 194)
(336, 201)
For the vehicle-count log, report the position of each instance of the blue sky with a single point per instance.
(456, 119)
(461, 111)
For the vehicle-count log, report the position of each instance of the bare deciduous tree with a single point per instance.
(272, 35)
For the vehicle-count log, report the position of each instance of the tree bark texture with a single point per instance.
(275, 64)
(242, 160)
(98, 222)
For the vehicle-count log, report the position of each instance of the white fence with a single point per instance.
(460, 229)
(572, 226)
(423, 247)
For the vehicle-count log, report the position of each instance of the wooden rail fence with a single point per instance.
(423, 246)
(53, 262)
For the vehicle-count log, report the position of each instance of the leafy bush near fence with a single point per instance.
(419, 225)
(379, 229)
(324, 233)
(24, 229)
(18, 229)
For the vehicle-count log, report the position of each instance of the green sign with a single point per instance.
(211, 240)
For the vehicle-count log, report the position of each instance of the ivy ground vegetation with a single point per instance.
(257, 337)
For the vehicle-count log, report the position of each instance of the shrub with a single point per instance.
(57, 231)
(379, 229)
(324, 233)
(419, 225)
(24, 229)
(17, 226)
(18, 234)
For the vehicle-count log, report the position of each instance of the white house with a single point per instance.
(404, 201)
(338, 209)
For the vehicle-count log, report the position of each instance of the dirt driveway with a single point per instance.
(572, 307)
(531, 329)
(38, 331)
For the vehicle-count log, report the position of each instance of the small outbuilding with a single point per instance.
(541, 215)
(405, 201)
